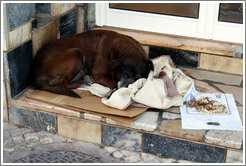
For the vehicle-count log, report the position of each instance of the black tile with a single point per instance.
(36, 120)
(181, 149)
(179, 57)
(68, 23)
(19, 13)
(34, 23)
(20, 61)
(122, 138)
(43, 8)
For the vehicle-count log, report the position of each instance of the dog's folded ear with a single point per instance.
(149, 63)
(116, 64)
(115, 67)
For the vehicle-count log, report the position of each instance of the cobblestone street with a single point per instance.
(24, 145)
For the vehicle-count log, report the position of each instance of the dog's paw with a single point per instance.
(88, 80)
(56, 80)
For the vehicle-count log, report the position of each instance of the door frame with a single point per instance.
(206, 26)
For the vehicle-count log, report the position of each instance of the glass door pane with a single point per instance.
(231, 12)
(176, 9)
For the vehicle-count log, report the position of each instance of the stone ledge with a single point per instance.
(179, 42)
(111, 135)
(161, 124)
(165, 125)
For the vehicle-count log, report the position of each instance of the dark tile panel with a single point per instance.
(181, 149)
(20, 61)
(36, 120)
(34, 24)
(179, 57)
(68, 23)
(122, 138)
(19, 13)
(43, 8)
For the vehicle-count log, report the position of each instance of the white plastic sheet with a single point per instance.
(192, 119)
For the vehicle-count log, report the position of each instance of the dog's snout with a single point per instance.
(125, 82)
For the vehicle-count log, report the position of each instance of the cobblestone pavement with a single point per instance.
(25, 145)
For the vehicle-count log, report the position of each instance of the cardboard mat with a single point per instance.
(88, 103)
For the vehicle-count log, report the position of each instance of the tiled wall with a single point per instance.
(28, 27)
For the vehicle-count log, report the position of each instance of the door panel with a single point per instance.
(207, 20)
(181, 9)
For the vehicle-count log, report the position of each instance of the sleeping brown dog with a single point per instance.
(108, 57)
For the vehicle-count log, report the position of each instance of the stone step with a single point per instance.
(158, 132)
(182, 43)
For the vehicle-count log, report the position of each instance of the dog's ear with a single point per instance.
(149, 63)
(116, 64)
(115, 67)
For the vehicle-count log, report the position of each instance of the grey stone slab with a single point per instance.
(149, 158)
(20, 35)
(19, 13)
(37, 120)
(117, 155)
(31, 137)
(239, 51)
(148, 120)
(16, 132)
(18, 139)
(240, 111)
(234, 156)
(5, 37)
(132, 158)
(8, 150)
(110, 149)
(122, 138)
(168, 160)
(236, 91)
(43, 8)
(223, 78)
(19, 62)
(181, 149)
(68, 24)
(6, 134)
(90, 18)
(8, 143)
(46, 140)
(227, 138)
(168, 115)
(42, 21)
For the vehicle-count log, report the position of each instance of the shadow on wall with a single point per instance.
(179, 57)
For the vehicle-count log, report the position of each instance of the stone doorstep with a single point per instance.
(169, 124)
(163, 123)
(131, 139)
(222, 78)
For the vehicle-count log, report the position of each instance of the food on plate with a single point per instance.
(205, 105)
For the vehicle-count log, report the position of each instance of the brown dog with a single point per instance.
(108, 57)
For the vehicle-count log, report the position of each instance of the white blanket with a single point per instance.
(164, 87)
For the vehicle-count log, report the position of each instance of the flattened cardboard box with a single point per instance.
(87, 103)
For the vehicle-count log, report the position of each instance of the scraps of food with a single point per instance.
(205, 105)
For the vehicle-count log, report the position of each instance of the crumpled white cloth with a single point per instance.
(164, 87)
